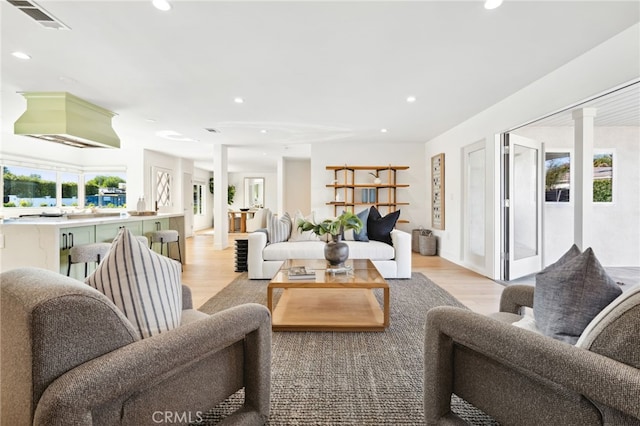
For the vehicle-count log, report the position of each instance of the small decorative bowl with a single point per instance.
(244, 209)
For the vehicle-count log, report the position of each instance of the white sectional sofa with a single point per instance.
(264, 259)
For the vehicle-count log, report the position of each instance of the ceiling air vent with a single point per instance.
(212, 130)
(38, 14)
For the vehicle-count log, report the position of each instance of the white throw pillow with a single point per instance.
(279, 229)
(299, 235)
(528, 323)
(144, 285)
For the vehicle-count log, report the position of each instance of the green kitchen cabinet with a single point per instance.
(106, 232)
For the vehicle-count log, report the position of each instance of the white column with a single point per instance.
(220, 208)
(583, 174)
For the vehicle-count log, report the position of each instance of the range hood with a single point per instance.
(64, 118)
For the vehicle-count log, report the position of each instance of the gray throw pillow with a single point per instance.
(568, 296)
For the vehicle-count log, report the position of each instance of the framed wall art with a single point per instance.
(437, 191)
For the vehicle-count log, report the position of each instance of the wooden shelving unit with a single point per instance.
(354, 186)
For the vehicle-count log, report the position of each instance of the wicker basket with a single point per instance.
(415, 240)
(427, 244)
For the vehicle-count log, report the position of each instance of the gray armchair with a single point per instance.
(522, 378)
(69, 357)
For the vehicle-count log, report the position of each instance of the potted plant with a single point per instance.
(336, 251)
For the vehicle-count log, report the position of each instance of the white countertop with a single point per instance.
(66, 222)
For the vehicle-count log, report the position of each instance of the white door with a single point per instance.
(474, 207)
(523, 191)
(187, 204)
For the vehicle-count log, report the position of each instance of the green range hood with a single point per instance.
(64, 118)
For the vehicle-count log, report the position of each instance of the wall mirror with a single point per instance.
(254, 192)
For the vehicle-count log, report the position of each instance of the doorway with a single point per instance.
(522, 195)
(474, 167)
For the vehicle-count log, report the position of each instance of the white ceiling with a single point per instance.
(309, 72)
(618, 108)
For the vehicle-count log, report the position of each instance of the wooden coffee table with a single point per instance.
(329, 302)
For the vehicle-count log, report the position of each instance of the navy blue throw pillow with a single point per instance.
(379, 228)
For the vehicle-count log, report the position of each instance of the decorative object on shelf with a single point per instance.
(336, 251)
(365, 195)
(376, 179)
(355, 187)
(437, 191)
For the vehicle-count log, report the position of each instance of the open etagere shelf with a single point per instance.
(354, 186)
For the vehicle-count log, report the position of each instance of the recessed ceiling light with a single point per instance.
(162, 5)
(174, 136)
(67, 80)
(238, 100)
(263, 131)
(21, 55)
(492, 4)
(411, 99)
(151, 120)
(383, 130)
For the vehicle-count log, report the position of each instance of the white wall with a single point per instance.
(297, 185)
(374, 154)
(616, 236)
(270, 188)
(608, 65)
(177, 167)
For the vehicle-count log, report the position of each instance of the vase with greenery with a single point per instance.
(336, 251)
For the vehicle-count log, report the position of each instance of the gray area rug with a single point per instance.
(343, 378)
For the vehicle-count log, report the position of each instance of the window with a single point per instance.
(69, 187)
(198, 199)
(557, 181)
(105, 190)
(163, 188)
(33, 187)
(29, 187)
(603, 177)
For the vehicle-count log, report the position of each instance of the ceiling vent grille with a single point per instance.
(39, 15)
(212, 130)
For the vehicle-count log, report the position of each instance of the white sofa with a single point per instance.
(264, 259)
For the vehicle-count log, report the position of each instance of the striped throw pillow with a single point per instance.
(279, 229)
(144, 285)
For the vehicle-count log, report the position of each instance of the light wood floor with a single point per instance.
(208, 271)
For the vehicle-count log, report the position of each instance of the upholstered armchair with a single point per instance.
(520, 377)
(258, 221)
(70, 357)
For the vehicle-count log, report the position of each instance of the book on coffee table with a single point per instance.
(300, 273)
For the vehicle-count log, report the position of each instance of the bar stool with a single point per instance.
(165, 237)
(86, 253)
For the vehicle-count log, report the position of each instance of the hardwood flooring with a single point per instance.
(208, 271)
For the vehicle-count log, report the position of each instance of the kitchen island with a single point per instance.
(44, 242)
